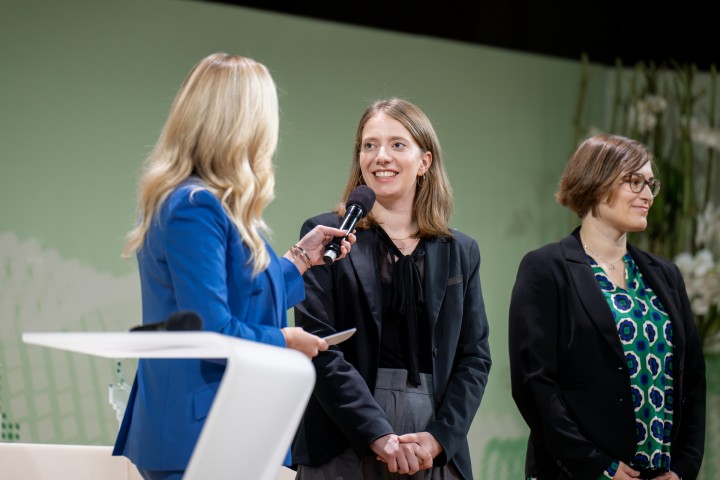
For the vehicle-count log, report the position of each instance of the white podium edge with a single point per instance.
(281, 379)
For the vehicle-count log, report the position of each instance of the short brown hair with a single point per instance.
(592, 172)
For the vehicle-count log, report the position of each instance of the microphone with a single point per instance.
(180, 320)
(359, 203)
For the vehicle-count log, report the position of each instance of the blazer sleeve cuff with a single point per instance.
(294, 285)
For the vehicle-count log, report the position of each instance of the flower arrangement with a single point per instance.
(671, 108)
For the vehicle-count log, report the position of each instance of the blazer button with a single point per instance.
(620, 399)
(435, 352)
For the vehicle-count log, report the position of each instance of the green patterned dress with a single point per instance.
(646, 335)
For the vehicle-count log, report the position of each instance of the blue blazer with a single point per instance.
(194, 259)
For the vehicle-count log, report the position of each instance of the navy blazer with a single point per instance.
(194, 259)
(342, 411)
(570, 379)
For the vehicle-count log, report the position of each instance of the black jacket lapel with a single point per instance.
(661, 285)
(362, 258)
(589, 291)
(437, 272)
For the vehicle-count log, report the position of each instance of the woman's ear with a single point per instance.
(425, 162)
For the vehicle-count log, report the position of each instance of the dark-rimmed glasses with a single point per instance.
(637, 182)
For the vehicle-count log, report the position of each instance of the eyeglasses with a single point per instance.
(637, 182)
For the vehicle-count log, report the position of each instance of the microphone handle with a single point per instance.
(352, 215)
(331, 253)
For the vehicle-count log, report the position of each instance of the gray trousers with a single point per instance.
(409, 410)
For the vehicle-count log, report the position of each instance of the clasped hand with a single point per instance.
(407, 454)
(626, 472)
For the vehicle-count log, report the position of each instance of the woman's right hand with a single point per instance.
(307, 343)
(625, 472)
(405, 458)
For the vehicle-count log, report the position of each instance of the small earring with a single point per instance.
(421, 180)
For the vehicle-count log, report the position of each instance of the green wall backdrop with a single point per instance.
(85, 86)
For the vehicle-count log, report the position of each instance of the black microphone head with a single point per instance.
(176, 321)
(183, 320)
(362, 196)
(358, 204)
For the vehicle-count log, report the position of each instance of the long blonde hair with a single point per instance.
(223, 127)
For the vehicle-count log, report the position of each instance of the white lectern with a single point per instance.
(258, 407)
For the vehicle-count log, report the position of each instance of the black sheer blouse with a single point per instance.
(405, 340)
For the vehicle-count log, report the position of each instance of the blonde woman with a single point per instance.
(200, 247)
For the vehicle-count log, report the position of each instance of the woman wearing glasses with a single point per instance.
(606, 364)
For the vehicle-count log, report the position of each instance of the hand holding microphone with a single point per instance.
(334, 242)
(359, 203)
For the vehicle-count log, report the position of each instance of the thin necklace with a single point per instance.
(611, 264)
(406, 238)
(410, 244)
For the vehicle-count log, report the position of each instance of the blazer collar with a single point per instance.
(437, 267)
(589, 291)
(662, 287)
(363, 262)
(594, 300)
(437, 272)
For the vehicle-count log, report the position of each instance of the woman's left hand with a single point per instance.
(426, 440)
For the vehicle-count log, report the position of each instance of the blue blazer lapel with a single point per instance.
(589, 292)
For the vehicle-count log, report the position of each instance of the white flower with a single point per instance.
(703, 263)
(645, 112)
(702, 280)
(708, 228)
(704, 135)
(656, 103)
(641, 115)
(684, 261)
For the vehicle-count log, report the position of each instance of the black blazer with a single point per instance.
(570, 379)
(342, 411)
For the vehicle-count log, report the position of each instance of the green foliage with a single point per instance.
(672, 108)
